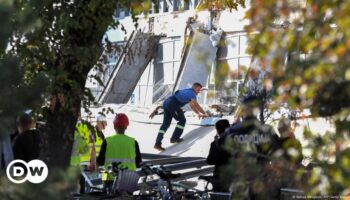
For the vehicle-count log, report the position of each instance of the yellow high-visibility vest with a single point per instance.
(85, 157)
(120, 148)
(81, 144)
(98, 143)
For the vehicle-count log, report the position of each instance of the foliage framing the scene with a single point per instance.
(63, 44)
(61, 41)
(305, 44)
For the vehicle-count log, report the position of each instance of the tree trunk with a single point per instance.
(59, 135)
(80, 49)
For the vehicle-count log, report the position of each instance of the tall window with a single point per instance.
(196, 3)
(166, 66)
(168, 58)
(159, 77)
(187, 5)
(142, 94)
(176, 5)
(233, 56)
(165, 6)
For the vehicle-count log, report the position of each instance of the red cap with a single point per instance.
(121, 120)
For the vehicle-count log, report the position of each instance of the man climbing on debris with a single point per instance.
(172, 109)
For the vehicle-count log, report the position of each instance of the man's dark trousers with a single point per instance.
(172, 109)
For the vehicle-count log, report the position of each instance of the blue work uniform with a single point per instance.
(172, 109)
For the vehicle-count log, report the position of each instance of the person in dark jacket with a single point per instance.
(26, 146)
(251, 136)
(251, 145)
(218, 156)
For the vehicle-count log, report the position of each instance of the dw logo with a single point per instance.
(35, 171)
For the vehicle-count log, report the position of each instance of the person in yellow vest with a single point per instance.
(85, 137)
(119, 148)
(80, 150)
(87, 144)
(95, 143)
(100, 126)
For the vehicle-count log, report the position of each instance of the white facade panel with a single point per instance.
(233, 21)
(172, 26)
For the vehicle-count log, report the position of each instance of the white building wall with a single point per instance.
(172, 25)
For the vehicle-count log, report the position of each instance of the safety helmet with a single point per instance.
(121, 120)
(101, 118)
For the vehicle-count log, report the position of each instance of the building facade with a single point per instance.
(170, 21)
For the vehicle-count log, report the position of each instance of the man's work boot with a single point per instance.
(176, 140)
(159, 147)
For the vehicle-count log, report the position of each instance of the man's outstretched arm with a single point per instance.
(197, 109)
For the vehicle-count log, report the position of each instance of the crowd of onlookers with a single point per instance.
(246, 138)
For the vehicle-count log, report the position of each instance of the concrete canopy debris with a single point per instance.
(137, 54)
(198, 57)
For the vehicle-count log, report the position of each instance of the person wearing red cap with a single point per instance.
(120, 147)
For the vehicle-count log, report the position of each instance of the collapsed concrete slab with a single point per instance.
(132, 63)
